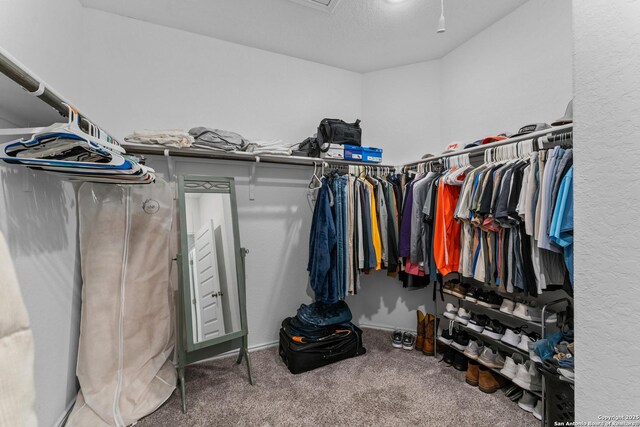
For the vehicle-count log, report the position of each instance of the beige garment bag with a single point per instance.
(126, 332)
(17, 389)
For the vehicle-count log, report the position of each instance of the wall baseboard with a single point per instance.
(263, 346)
(384, 327)
(231, 353)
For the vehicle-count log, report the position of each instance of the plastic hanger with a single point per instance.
(315, 181)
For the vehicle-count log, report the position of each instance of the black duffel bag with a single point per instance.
(335, 131)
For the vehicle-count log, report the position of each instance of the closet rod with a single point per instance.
(482, 148)
(244, 157)
(17, 72)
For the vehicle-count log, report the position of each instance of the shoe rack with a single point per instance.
(497, 371)
(508, 320)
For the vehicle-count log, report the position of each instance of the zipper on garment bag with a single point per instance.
(117, 416)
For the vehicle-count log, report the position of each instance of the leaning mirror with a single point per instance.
(213, 308)
(213, 284)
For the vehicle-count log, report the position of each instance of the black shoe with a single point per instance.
(534, 336)
(494, 329)
(396, 340)
(445, 336)
(490, 299)
(408, 341)
(477, 322)
(460, 362)
(448, 356)
(473, 294)
(513, 392)
(460, 340)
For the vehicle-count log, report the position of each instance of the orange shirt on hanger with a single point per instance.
(446, 238)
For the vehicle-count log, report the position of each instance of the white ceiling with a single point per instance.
(359, 35)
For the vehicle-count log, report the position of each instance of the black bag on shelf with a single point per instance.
(335, 131)
(302, 354)
(307, 148)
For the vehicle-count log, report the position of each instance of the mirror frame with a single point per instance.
(186, 328)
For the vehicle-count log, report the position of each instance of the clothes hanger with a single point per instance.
(315, 181)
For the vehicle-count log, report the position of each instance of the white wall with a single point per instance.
(383, 303)
(37, 211)
(516, 72)
(401, 111)
(607, 107)
(162, 78)
(148, 76)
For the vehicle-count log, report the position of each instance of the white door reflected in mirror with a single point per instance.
(215, 309)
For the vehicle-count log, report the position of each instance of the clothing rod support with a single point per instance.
(252, 181)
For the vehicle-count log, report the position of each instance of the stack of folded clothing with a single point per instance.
(320, 334)
(277, 147)
(168, 137)
(217, 139)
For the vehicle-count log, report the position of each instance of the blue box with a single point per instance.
(363, 154)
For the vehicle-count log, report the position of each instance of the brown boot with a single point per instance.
(429, 344)
(421, 330)
(489, 382)
(472, 373)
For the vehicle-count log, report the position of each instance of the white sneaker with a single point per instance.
(511, 337)
(450, 311)
(491, 358)
(519, 310)
(510, 368)
(528, 401)
(474, 349)
(532, 314)
(537, 411)
(524, 342)
(507, 306)
(528, 377)
(567, 373)
(553, 318)
(463, 316)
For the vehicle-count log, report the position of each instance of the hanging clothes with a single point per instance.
(447, 230)
(354, 230)
(322, 249)
(562, 222)
(375, 236)
(510, 235)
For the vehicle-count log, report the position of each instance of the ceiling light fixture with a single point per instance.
(441, 28)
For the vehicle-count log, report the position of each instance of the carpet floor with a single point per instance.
(384, 387)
